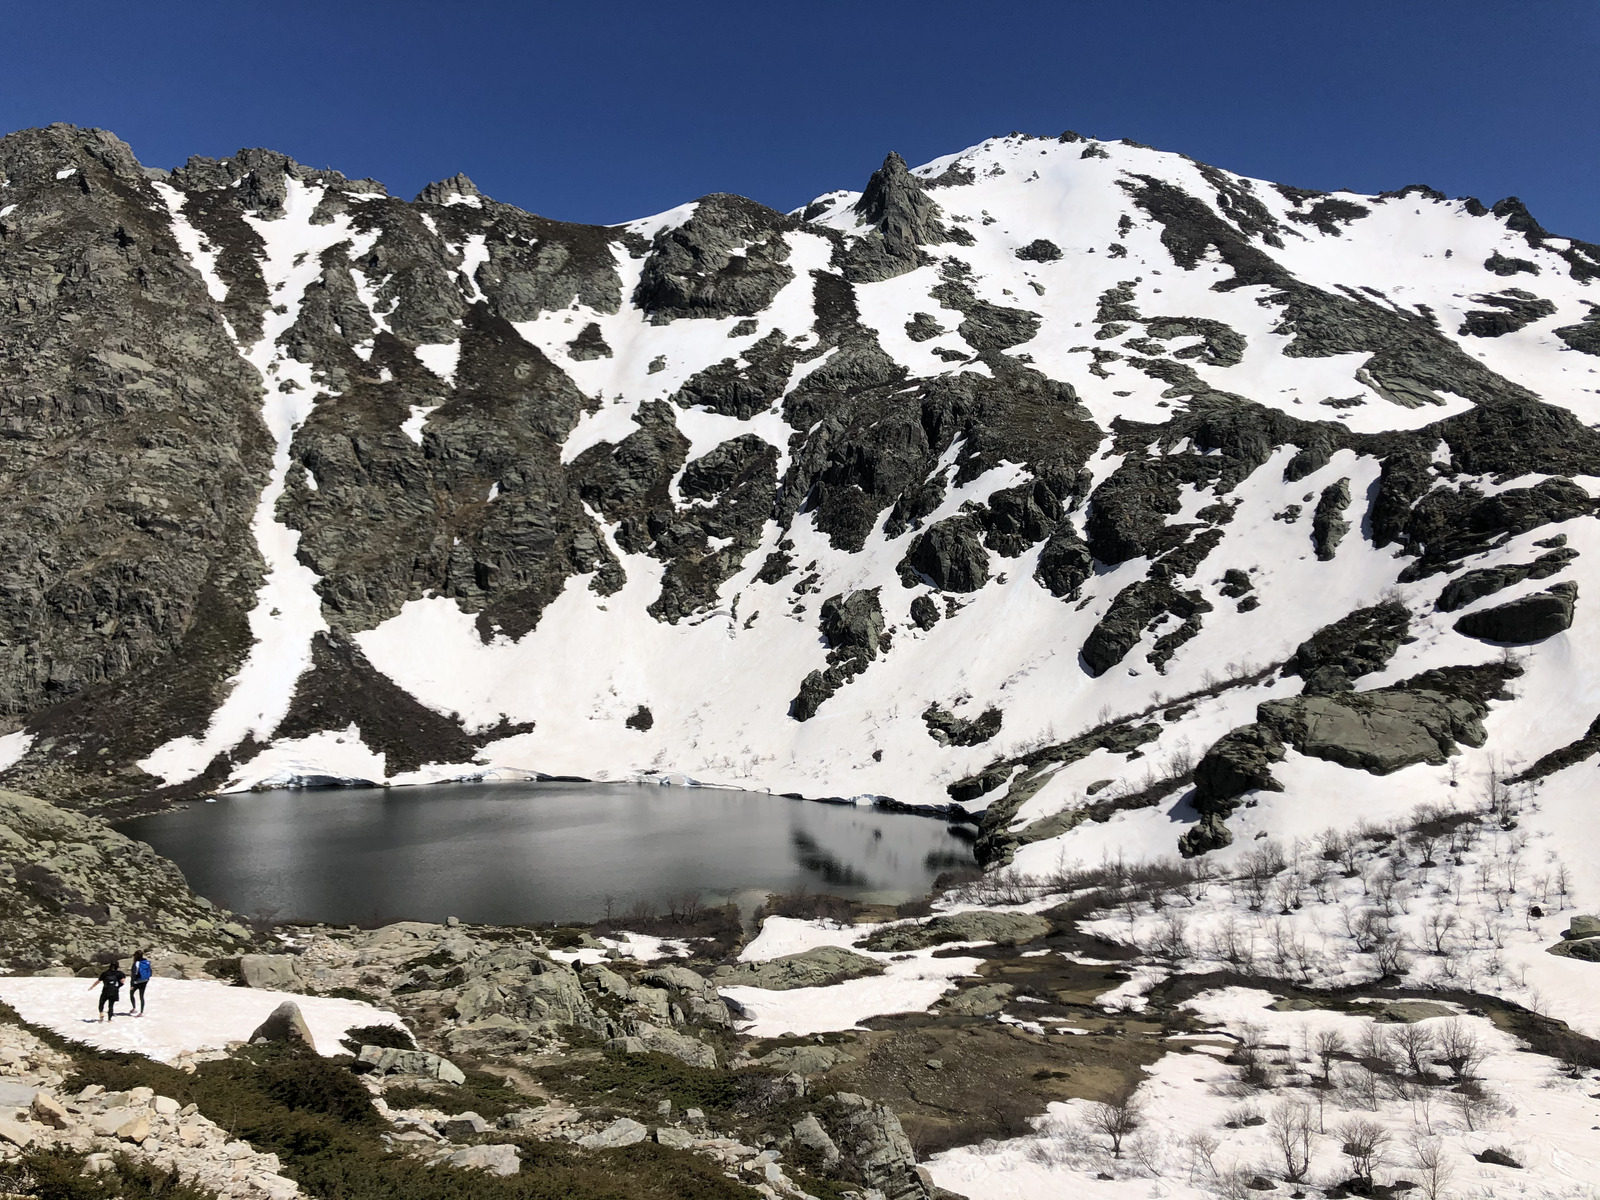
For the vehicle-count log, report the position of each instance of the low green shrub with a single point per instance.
(58, 1175)
(385, 1037)
(482, 1093)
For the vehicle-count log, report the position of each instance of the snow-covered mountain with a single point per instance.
(1117, 496)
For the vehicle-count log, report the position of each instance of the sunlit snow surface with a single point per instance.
(182, 1015)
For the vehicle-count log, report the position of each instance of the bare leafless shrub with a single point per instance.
(1473, 1104)
(1365, 1143)
(1255, 1071)
(1375, 1048)
(1413, 1042)
(1329, 1047)
(1172, 937)
(1432, 1167)
(1202, 1147)
(1115, 1119)
(1233, 943)
(1461, 1050)
(1289, 1127)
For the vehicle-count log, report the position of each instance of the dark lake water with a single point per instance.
(512, 853)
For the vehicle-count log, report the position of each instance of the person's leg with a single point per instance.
(137, 993)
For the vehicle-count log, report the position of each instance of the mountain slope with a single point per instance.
(1021, 479)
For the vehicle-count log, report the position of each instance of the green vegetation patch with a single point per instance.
(58, 1175)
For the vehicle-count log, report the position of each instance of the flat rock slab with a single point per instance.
(818, 967)
(624, 1132)
(1001, 928)
(16, 1095)
(497, 1160)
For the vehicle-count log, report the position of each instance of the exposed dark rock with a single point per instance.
(1411, 363)
(1583, 337)
(1496, 1158)
(1134, 609)
(1064, 563)
(746, 386)
(343, 689)
(1235, 583)
(1446, 525)
(1017, 518)
(1220, 345)
(901, 216)
(852, 629)
(1040, 250)
(535, 265)
(627, 482)
(693, 271)
(588, 345)
(1328, 525)
(1485, 581)
(1331, 659)
(1024, 775)
(1500, 264)
(1001, 928)
(1239, 762)
(1525, 621)
(1238, 202)
(739, 478)
(986, 326)
(1513, 310)
(1208, 834)
(949, 555)
(133, 450)
(641, 719)
(924, 613)
(922, 327)
(948, 729)
(1569, 755)
(1420, 719)
(1327, 214)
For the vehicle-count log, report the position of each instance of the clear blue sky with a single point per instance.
(607, 111)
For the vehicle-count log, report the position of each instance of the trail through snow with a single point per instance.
(183, 1015)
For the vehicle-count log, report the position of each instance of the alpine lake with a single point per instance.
(525, 853)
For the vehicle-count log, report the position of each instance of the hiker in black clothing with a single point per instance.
(140, 980)
(110, 982)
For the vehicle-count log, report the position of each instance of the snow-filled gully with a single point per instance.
(288, 611)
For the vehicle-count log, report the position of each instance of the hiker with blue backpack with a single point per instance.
(140, 978)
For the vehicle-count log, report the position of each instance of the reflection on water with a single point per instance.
(517, 852)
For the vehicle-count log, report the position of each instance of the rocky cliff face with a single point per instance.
(1087, 449)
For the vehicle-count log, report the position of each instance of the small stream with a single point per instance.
(518, 853)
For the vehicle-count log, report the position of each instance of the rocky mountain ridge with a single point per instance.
(1152, 490)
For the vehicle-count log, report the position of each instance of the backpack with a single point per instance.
(141, 971)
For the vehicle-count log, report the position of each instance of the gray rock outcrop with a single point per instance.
(1523, 622)
(978, 925)
(817, 967)
(285, 1023)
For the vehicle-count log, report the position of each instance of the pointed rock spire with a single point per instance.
(895, 204)
(458, 189)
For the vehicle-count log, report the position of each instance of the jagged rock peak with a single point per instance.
(895, 204)
(458, 189)
(61, 145)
